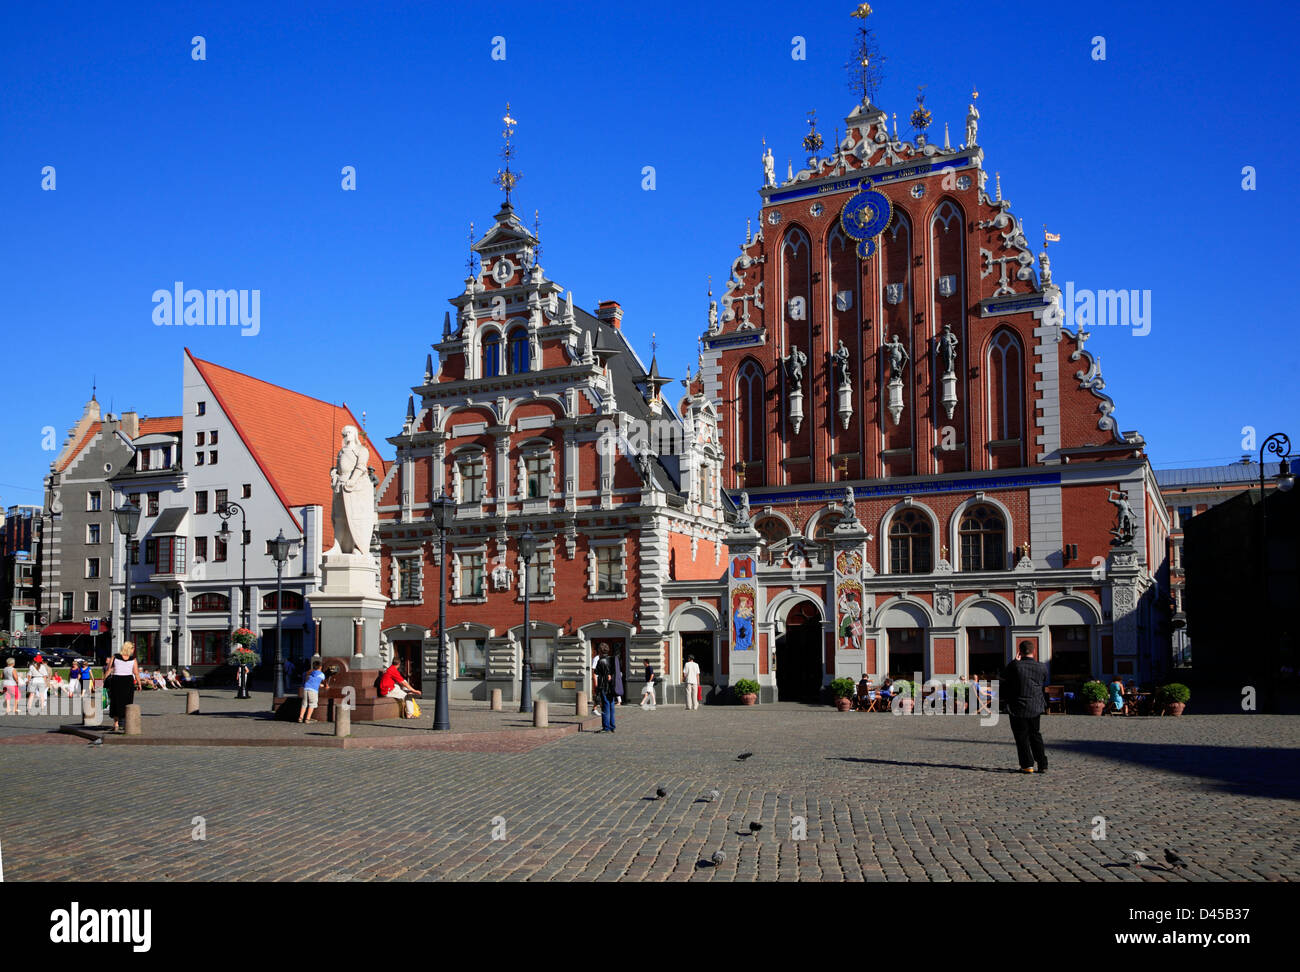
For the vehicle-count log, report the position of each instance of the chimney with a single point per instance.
(130, 424)
(610, 312)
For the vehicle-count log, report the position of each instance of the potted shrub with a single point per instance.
(746, 690)
(1171, 699)
(1095, 694)
(843, 689)
(959, 693)
(904, 696)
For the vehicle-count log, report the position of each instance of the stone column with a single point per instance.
(1123, 573)
(848, 598)
(745, 603)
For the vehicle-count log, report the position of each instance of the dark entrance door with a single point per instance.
(617, 650)
(799, 656)
(906, 656)
(700, 644)
(409, 661)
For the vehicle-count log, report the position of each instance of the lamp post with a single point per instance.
(128, 521)
(226, 511)
(1279, 445)
(444, 511)
(527, 547)
(281, 548)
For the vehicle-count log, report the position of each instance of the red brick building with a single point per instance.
(538, 416)
(886, 329)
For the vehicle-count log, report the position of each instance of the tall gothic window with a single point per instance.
(492, 355)
(983, 539)
(911, 542)
(749, 395)
(1005, 387)
(518, 351)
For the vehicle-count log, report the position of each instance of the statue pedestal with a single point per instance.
(350, 610)
(354, 687)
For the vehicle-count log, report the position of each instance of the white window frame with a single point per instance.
(593, 569)
(406, 557)
(98, 501)
(458, 557)
(98, 532)
(548, 572)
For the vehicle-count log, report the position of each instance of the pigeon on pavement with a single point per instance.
(661, 793)
(718, 858)
(744, 756)
(755, 826)
(1173, 859)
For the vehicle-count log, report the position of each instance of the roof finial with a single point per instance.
(946, 144)
(94, 387)
(506, 179)
(537, 234)
(921, 116)
(864, 68)
(997, 183)
(472, 263)
(812, 142)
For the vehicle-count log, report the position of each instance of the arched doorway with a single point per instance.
(906, 639)
(799, 655)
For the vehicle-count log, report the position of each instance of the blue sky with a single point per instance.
(225, 173)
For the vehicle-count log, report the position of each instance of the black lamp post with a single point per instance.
(444, 512)
(1279, 445)
(128, 521)
(527, 547)
(281, 548)
(226, 511)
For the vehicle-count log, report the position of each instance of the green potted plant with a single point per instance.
(1171, 699)
(959, 694)
(905, 696)
(746, 690)
(843, 689)
(1095, 695)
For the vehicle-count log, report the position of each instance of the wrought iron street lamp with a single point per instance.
(128, 521)
(281, 550)
(1279, 445)
(226, 511)
(527, 548)
(444, 514)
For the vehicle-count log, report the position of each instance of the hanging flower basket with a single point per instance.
(240, 655)
(243, 638)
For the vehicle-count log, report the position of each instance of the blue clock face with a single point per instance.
(865, 217)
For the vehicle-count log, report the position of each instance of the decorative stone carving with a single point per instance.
(769, 168)
(943, 602)
(353, 511)
(1026, 600)
(502, 577)
(898, 358)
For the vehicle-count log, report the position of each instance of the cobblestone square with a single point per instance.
(930, 798)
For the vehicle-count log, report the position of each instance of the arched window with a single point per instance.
(911, 542)
(1005, 387)
(144, 604)
(983, 539)
(749, 396)
(827, 523)
(210, 602)
(518, 351)
(492, 355)
(292, 601)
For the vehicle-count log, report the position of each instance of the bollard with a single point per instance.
(90, 711)
(192, 702)
(540, 720)
(342, 719)
(133, 720)
(496, 700)
(581, 707)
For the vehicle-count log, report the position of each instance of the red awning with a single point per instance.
(66, 628)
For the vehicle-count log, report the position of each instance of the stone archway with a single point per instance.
(800, 654)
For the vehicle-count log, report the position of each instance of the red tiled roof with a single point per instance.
(91, 432)
(293, 438)
(161, 424)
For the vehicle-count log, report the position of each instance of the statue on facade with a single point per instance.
(645, 465)
(769, 168)
(744, 518)
(353, 512)
(972, 124)
(1125, 528)
(850, 505)
(713, 316)
(947, 350)
(898, 358)
(840, 362)
(794, 365)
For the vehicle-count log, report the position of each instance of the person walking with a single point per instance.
(242, 674)
(1022, 688)
(38, 684)
(691, 675)
(604, 687)
(9, 681)
(648, 693)
(123, 679)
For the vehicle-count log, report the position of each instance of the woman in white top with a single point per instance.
(38, 684)
(123, 678)
(10, 684)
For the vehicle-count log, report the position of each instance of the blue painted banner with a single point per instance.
(905, 489)
(1027, 303)
(734, 340)
(843, 185)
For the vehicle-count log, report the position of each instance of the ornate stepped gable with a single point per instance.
(930, 347)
